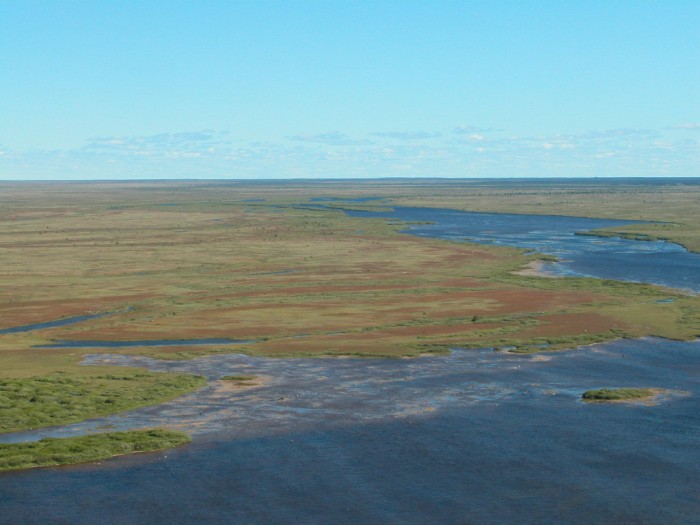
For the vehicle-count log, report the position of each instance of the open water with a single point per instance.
(657, 262)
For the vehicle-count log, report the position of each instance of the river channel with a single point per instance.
(476, 436)
(657, 262)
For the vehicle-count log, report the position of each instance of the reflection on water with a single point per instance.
(476, 436)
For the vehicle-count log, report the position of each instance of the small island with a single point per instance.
(230, 383)
(620, 394)
(238, 378)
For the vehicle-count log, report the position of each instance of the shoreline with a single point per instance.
(534, 269)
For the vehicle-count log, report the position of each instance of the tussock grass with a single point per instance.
(65, 451)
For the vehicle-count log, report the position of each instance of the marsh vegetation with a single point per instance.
(619, 394)
(58, 399)
(50, 452)
(257, 262)
(237, 378)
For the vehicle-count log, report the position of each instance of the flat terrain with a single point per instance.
(259, 262)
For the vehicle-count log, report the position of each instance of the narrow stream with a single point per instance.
(58, 322)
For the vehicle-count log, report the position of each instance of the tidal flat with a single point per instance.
(284, 271)
(475, 436)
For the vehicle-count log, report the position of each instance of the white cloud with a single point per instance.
(465, 129)
(407, 135)
(330, 138)
(193, 141)
(212, 154)
(689, 127)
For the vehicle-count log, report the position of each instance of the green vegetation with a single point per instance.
(58, 399)
(65, 451)
(237, 378)
(618, 394)
(298, 280)
(609, 234)
(550, 344)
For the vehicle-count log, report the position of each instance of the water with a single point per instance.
(473, 437)
(656, 262)
(55, 323)
(349, 199)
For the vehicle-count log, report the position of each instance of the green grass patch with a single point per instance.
(67, 451)
(57, 399)
(237, 378)
(551, 344)
(617, 394)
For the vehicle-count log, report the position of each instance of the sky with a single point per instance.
(145, 89)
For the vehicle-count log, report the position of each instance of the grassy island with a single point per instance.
(619, 394)
(50, 452)
(237, 378)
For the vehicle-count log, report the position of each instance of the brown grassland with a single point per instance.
(211, 259)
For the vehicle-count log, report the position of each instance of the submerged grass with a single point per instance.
(66, 451)
(59, 399)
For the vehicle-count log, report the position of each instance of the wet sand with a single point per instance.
(535, 269)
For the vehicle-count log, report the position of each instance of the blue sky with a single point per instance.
(279, 89)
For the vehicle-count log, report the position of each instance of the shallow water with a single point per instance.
(657, 262)
(476, 436)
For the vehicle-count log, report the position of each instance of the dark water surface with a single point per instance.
(473, 437)
(657, 262)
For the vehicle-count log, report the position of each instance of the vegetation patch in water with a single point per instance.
(237, 378)
(67, 451)
(618, 394)
(57, 399)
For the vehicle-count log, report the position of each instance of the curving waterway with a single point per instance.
(473, 437)
(657, 262)
(58, 322)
